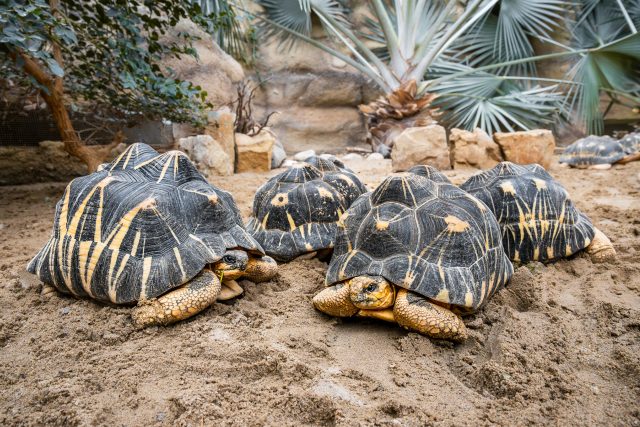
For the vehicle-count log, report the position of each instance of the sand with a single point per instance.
(559, 345)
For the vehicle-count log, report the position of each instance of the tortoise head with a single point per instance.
(371, 292)
(232, 265)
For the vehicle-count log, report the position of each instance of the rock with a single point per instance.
(214, 71)
(306, 128)
(207, 154)
(290, 163)
(220, 127)
(473, 149)
(352, 156)
(278, 155)
(298, 56)
(322, 89)
(254, 152)
(421, 146)
(304, 155)
(534, 146)
(375, 157)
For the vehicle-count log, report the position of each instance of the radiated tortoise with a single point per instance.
(148, 228)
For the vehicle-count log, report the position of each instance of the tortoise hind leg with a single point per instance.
(179, 304)
(421, 315)
(601, 249)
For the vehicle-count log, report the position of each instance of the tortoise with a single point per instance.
(429, 172)
(538, 218)
(416, 252)
(148, 228)
(594, 152)
(631, 145)
(295, 213)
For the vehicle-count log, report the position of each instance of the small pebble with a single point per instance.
(65, 310)
(352, 156)
(375, 156)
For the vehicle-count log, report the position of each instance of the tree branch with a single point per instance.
(57, 52)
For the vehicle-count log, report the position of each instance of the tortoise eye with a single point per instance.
(228, 259)
(372, 287)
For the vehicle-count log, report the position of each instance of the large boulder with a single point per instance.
(253, 153)
(473, 150)
(214, 70)
(425, 145)
(526, 147)
(304, 128)
(207, 154)
(323, 89)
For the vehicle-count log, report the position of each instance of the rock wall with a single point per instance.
(314, 109)
(214, 70)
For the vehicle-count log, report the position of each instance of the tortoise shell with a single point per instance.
(296, 212)
(143, 225)
(538, 219)
(428, 237)
(593, 150)
(631, 143)
(429, 172)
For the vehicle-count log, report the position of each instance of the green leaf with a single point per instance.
(54, 67)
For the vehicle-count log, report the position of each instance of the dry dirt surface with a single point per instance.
(559, 345)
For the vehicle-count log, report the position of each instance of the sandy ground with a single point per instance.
(559, 345)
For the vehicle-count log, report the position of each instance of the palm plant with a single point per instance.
(231, 30)
(614, 70)
(474, 66)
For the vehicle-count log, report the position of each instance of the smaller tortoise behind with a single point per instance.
(295, 213)
(539, 220)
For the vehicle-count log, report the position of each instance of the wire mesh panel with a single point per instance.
(29, 128)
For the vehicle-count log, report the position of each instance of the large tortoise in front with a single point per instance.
(538, 218)
(296, 212)
(148, 228)
(416, 252)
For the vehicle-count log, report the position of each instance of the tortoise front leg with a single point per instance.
(179, 304)
(421, 315)
(260, 269)
(335, 301)
(601, 249)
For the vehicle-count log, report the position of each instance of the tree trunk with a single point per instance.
(72, 143)
(54, 97)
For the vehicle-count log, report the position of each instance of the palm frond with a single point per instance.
(232, 30)
(505, 34)
(611, 63)
(493, 103)
(297, 16)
